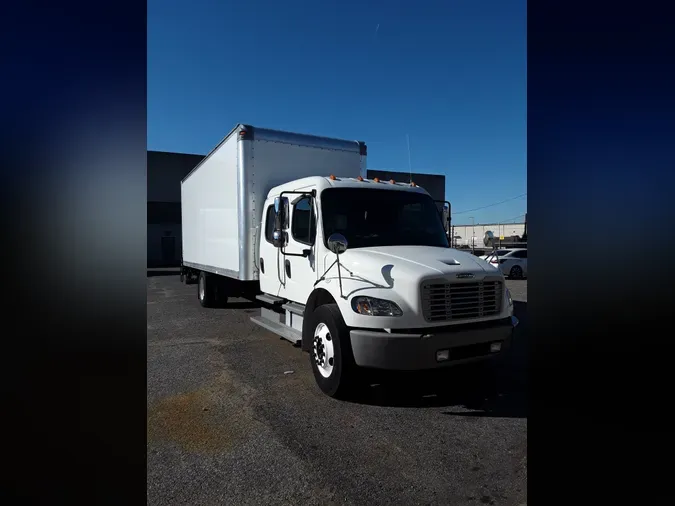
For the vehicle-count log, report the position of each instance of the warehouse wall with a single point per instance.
(165, 172)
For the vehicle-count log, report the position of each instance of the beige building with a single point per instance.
(465, 234)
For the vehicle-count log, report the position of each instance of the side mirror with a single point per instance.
(337, 243)
(280, 222)
(444, 208)
(446, 219)
(281, 211)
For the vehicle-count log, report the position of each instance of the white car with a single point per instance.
(512, 262)
(500, 252)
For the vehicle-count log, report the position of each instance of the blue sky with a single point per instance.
(451, 74)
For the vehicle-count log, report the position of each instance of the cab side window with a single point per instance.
(303, 224)
(269, 224)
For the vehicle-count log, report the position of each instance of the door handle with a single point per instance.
(288, 268)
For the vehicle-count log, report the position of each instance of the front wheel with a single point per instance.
(516, 272)
(331, 356)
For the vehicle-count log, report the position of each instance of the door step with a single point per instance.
(270, 299)
(279, 329)
(295, 308)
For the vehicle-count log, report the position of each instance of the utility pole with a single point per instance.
(473, 236)
(407, 137)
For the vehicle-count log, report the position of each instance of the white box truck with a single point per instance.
(358, 272)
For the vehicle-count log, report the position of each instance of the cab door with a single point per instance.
(270, 265)
(299, 262)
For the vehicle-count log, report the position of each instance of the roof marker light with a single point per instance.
(360, 178)
(377, 179)
(331, 177)
(392, 181)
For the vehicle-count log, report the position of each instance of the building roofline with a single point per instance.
(487, 224)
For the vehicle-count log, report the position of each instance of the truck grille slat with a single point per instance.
(443, 301)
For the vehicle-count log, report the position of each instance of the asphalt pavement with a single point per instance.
(235, 417)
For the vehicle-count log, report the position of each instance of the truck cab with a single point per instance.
(359, 272)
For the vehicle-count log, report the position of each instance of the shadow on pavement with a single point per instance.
(243, 302)
(489, 389)
(239, 304)
(162, 272)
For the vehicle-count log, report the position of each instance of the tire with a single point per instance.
(182, 275)
(205, 290)
(189, 277)
(330, 340)
(516, 272)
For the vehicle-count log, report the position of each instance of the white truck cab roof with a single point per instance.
(323, 182)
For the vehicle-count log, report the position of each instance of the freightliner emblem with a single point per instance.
(465, 275)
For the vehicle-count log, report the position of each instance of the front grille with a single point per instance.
(443, 301)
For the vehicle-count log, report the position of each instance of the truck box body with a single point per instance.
(222, 198)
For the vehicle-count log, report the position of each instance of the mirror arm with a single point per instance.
(339, 275)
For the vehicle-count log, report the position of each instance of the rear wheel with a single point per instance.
(516, 272)
(189, 277)
(331, 356)
(205, 290)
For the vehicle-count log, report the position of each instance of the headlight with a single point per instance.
(508, 296)
(375, 307)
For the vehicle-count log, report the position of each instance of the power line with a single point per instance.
(490, 205)
(492, 222)
(504, 222)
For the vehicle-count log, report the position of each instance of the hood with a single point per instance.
(414, 262)
(394, 273)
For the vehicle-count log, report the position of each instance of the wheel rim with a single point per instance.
(517, 272)
(201, 288)
(324, 352)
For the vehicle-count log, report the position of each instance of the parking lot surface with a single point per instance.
(235, 417)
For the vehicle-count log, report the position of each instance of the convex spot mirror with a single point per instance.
(337, 243)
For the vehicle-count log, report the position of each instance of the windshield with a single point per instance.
(370, 218)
